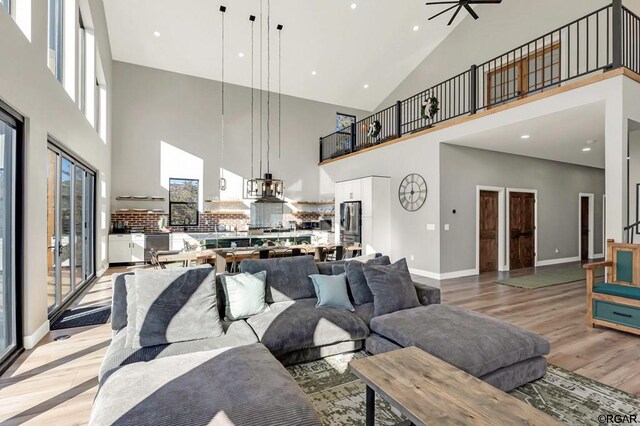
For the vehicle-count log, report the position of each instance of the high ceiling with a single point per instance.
(373, 44)
(552, 137)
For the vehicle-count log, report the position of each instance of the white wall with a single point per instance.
(155, 108)
(27, 85)
(634, 175)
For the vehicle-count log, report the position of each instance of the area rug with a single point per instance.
(338, 395)
(82, 317)
(547, 279)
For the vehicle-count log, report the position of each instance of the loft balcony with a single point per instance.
(604, 41)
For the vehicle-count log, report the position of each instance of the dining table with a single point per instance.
(225, 258)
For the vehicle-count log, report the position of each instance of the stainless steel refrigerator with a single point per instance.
(350, 223)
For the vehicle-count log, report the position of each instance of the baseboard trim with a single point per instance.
(32, 340)
(558, 261)
(445, 276)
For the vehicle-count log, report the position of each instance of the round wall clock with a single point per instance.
(412, 192)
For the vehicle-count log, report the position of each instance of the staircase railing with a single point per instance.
(605, 39)
(631, 231)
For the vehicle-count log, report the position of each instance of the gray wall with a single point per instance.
(558, 185)
(151, 106)
(500, 28)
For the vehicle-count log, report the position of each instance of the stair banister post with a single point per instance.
(616, 33)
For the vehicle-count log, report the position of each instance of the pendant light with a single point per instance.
(223, 181)
(266, 189)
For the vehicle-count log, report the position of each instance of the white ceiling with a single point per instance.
(373, 44)
(559, 137)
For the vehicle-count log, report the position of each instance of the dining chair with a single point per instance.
(322, 253)
(154, 259)
(335, 253)
(233, 265)
(294, 252)
(263, 254)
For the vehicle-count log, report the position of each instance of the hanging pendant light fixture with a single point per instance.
(223, 181)
(266, 189)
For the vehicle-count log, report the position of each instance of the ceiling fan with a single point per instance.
(459, 5)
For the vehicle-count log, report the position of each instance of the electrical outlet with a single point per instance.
(412, 257)
(446, 226)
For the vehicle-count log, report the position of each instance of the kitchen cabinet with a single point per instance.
(126, 248)
(374, 194)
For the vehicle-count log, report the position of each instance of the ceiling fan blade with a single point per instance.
(455, 14)
(471, 11)
(432, 3)
(443, 12)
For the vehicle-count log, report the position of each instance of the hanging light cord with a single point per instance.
(252, 96)
(222, 127)
(279, 93)
(261, 91)
(268, 84)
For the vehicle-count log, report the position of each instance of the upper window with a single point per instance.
(82, 64)
(55, 59)
(6, 4)
(183, 202)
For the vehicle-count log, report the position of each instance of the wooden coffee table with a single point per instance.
(430, 391)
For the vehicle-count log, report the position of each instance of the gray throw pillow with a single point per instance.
(357, 281)
(172, 306)
(331, 291)
(392, 287)
(244, 295)
(338, 269)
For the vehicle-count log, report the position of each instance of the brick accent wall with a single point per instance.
(207, 221)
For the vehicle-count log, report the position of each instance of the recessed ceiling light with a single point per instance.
(525, 136)
(587, 149)
(416, 27)
(353, 5)
(313, 73)
(366, 86)
(241, 55)
(156, 33)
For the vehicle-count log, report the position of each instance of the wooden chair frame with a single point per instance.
(611, 277)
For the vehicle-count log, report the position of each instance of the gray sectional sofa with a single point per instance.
(293, 330)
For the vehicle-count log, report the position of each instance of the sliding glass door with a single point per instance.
(8, 286)
(70, 223)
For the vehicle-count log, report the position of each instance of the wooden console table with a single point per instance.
(427, 390)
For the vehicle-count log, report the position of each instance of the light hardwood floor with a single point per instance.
(55, 383)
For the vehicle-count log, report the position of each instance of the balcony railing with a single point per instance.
(602, 40)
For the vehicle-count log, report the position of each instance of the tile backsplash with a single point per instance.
(208, 222)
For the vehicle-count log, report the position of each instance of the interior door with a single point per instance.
(488, 231)
(584, 228)
(521, 230)
(52, 238)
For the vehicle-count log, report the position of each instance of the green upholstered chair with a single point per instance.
(616, 302)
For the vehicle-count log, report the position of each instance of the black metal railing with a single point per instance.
(631, 40)
(602, 40)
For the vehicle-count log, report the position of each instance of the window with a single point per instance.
(524, 76)
(55, 59)
(70, 226)
(82, 64)
(183, 202)
(6, 4)
(10, 340)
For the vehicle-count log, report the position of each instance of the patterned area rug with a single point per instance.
(338, 395)
(547, 279)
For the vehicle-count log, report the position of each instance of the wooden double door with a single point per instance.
(522, 230)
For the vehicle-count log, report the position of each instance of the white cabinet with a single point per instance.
(126, 248)
(374, 194)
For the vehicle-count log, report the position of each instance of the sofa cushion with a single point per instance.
(392, 287)
(326, 268)
(331, 291)
(119, 301)
(233, 386)
(365, 312)
(244, 294)
(174, 306)
(236, 333)
(475, 343)
(625, 291)
(294, 325)
(358, 282)
(287, 278)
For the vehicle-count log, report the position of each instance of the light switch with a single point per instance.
(446, 226)
(431, 227)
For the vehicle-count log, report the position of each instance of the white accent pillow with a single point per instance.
(244, 294)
